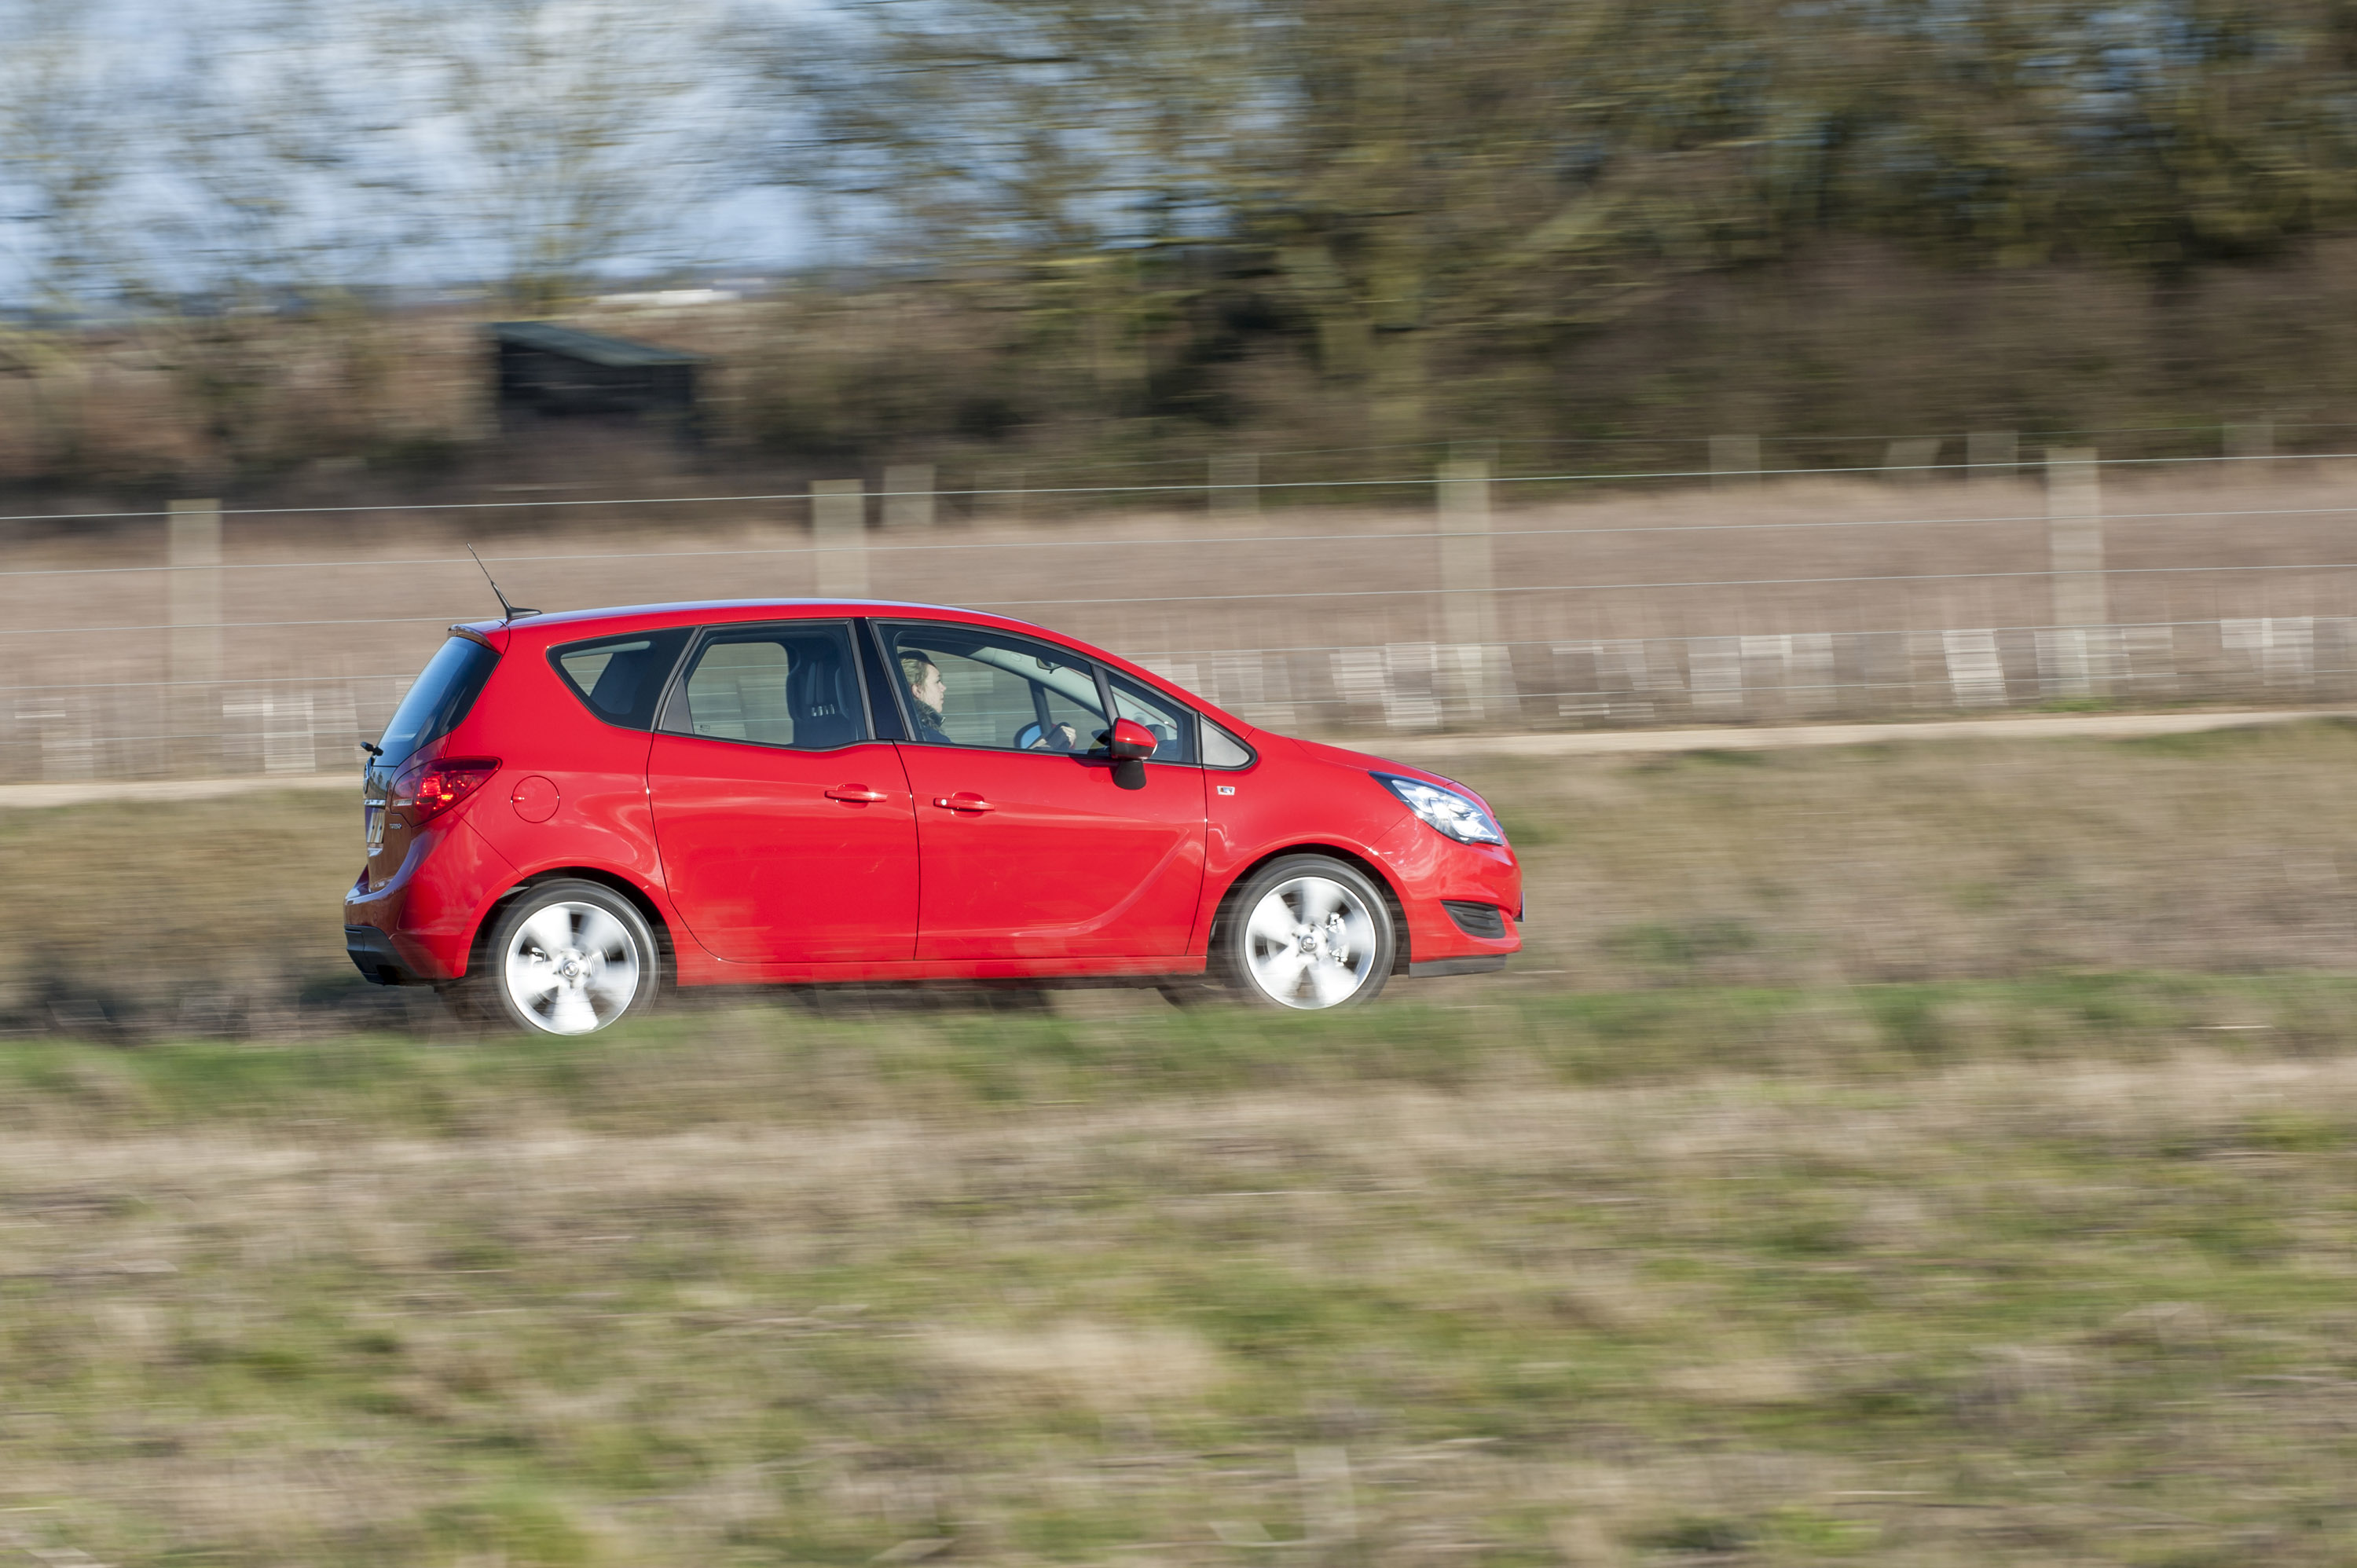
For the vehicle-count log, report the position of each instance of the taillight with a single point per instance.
(424, 791)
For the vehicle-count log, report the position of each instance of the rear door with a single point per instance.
(1036, 844)
(787, 831)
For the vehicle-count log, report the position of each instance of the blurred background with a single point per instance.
(253, 238)
(1741, 346)
(1918, 1149)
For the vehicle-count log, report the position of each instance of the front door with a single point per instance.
(1035, 843)
(786, 834)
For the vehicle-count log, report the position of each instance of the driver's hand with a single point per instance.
(1059, 737)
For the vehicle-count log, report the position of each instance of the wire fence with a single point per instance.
(231, 640)
(1213, 487)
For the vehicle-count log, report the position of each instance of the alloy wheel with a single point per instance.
(571, 968)
(1310, 942)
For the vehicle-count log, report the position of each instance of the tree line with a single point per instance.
(1398, 194)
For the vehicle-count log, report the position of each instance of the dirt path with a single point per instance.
(1605, 743)
(23, 796)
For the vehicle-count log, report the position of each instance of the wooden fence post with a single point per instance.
(839, 529)
(908, 496)
(2251, 438)
(1734, 461)
(1001, 496)
(1235, 484)
(193, 551)
(1992, 456)
(1909, 460)
(2074, 534)
(1482, 675)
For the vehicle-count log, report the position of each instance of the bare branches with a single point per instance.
(573, 133)
(62, 137)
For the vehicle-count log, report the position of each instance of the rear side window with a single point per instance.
(793, 686)
(437, 700)
(622, 678)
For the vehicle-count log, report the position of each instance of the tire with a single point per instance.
(1307, 932)
(565, 958)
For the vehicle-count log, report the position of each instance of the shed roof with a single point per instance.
(595, 348)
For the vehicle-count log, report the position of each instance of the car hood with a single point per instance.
(1365, 762)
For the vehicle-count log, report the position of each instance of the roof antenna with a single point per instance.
(514, 610)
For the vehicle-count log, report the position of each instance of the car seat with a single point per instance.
(616, 690)
(821, 696)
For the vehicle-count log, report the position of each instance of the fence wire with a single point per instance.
(263, 664)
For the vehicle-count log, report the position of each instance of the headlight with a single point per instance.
(1458, 816)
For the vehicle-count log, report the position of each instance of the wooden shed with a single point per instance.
(551, 371)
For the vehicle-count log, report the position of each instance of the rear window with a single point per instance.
(622, 678)
(440, 697)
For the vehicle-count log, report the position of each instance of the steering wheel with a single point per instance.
(1032, 737)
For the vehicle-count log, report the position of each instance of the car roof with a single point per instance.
(566, 625)
(707, 612)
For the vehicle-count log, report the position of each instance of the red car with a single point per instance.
(570, 812)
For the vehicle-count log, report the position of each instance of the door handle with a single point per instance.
(963, 802)
(856, 792)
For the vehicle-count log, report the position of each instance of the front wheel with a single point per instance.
(565, 958)
(1307, 932)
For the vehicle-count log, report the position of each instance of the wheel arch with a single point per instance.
(1355, 859)
(639, 898)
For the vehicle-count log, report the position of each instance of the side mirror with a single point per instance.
(1129, 741)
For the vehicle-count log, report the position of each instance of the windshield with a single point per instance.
(445, 690)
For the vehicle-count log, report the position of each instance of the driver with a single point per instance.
(928, 693)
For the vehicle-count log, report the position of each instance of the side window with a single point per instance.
(968, 686)
(774, 685)
(1222, 749)
(621, 679)
(1173, 725)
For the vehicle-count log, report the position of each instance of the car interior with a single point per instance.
(1008, 696)
(793, 689)
(799, 688)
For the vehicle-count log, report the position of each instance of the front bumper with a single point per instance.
(1432, 969)
(1431, 871)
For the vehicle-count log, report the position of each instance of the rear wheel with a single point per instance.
(565, 958)
(1307, 932)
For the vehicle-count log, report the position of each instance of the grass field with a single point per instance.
(1988, 1272)
(1933, 1154)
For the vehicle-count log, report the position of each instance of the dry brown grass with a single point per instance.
(1914, 861)
(2000, 1312)
(2054, 1267)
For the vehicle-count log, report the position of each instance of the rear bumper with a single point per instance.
(372, 952)
(420, 925)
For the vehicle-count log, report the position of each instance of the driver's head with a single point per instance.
(924, 677)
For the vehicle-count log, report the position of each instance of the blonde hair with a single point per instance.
(913, 667)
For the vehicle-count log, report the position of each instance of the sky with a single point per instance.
(408, 144)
